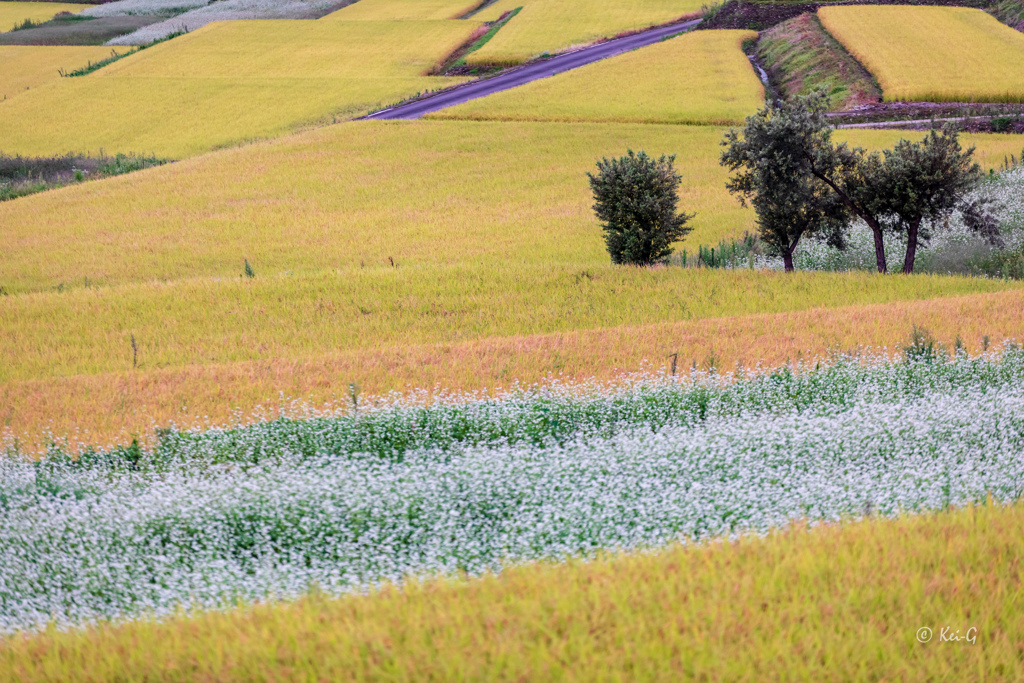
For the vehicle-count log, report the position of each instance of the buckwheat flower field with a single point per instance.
(344, 502)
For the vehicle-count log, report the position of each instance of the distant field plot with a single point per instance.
(403, 9)
(554, 25)
(697, 78)
(26, 67)
(229, 83)
(15, 13)
(940, 54)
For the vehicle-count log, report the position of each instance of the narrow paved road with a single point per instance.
(531, 72)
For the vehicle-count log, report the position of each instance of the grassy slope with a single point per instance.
(101, 408)
(835, 602)
(14, 13)
(26, 67)
(800, 57)
(480, 194)
(698, 78)
(231, 82)
(489, 225)
(87, 331)
(938, 54)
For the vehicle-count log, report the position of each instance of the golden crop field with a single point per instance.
(15, 13)
(555, 25)
(114, 406)
(939, 54)
(403, 9)
(347, 197)
(698, 78)
(23, 67)
(88, 330)
(803, 604)
(230, 83)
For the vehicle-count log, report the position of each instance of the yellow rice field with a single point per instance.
(940, 54)
(230, 83)
(15, 13)
(23, 67)
(839, 601)
(349, 197)
(403, 9)
(698, 78)
(555, 25)
(88, 330)
(115, 406)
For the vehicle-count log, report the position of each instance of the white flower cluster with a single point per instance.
(208, 519)
(951, 248)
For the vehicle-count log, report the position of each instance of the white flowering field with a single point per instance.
(342, 502)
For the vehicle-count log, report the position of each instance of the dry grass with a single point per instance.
(14, 13)
(113, 405)
(554, 25)
(353, 196)
(697, 78)
(939, 54)
(28, 66)
(403, 10)
(834, 602)
(229, 83)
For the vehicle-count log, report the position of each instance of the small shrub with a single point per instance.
(249, 272)
(1001, 124)
(636, 199)
(923, 346)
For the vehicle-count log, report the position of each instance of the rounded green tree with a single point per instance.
(635, 198)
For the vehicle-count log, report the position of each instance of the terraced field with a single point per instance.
(229, 83)
(937, 54)
(26, 67)
(358, 401)
(555, 25)
(16, 13)
(697, 78)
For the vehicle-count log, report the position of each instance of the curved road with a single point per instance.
(531, 72)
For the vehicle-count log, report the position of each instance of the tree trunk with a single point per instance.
(876, 230)
(787, 258)
(787, 254)
(908, 262)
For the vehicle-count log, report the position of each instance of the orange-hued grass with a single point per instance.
(701, 77)
(831, 602)
(88, 330)
(23, 67)
(114, 406)
(232, 82)
(426, 193)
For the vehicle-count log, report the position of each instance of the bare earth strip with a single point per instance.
(116, 406)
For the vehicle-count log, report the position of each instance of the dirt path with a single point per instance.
(531, 72)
